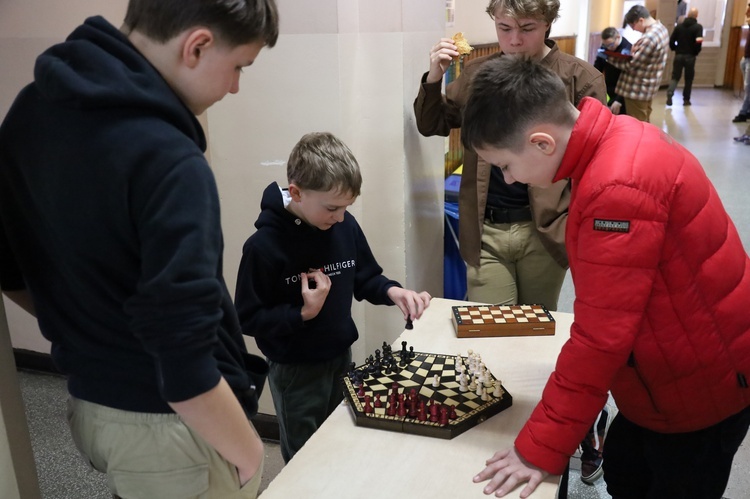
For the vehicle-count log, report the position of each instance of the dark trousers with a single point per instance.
(686, 62)
(304, 395)
(642, 464)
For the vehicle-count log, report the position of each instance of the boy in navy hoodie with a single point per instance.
(296, 280)
(110, 234)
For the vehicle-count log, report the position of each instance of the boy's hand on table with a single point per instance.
(506, 470)
(314, 296)
(411, 303)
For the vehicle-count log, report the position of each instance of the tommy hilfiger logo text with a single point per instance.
(330, 269)
(611, 225)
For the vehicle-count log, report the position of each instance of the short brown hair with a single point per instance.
(320, 161)
(236, 22)
(509, 95)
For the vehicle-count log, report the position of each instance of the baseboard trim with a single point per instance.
(267, 425)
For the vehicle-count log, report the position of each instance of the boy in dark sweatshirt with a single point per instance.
(296, 280)
(110, 234)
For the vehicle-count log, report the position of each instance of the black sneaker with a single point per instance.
(686, 103)
(669, 100)
(740, 118)
(592, 446)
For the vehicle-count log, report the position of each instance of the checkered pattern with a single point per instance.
(641, 75)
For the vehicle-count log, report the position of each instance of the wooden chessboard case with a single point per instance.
(473, 321)
(470, 409)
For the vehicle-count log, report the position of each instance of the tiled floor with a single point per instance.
(705, 128)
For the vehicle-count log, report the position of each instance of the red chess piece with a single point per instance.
(434, 408)
(401, 407)
(443, 415)
(361, 391)
(391, 410)
(413, 406)
(378, 402)
(422, 412)
(368, 405)
(453, 414)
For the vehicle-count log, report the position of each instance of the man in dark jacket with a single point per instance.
(686, 41)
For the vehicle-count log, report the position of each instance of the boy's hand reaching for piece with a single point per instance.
(506, 470)
(411, 303)
(314, 297)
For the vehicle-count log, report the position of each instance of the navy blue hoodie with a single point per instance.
(269, 296)
(110, 218)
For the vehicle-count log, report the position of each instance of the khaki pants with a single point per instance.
(153, 456)
(639, 109)
(514, 268)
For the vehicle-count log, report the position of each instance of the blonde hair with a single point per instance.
(320, 161)
(547, 10)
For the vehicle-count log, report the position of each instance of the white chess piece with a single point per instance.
(462, 386)
(436, 381)
(484, 394)
(498, 389)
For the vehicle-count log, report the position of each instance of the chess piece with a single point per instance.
(409, 324)
(361, 391)
(453, 414)
(378, 402)
(368, 406)
(434, 408)
(421, 412)
(443, 415)
(436, 381)
(498, 389)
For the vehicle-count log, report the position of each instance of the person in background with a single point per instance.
(686, 41)
(298, 274)
(641, 74)
(656, 315)
(613, 41)
(512, 236)
(744, 113)
(110, 234)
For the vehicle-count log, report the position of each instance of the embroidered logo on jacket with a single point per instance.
(611, 225)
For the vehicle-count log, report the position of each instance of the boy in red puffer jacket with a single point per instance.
(661, 281)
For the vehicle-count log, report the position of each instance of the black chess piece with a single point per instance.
(409, 324)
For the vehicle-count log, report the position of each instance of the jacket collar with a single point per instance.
(588, 130)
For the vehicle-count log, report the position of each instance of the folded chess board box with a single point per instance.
(473, 321)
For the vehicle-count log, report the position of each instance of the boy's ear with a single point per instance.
(294, 192)
(196, 42)
(544, 142)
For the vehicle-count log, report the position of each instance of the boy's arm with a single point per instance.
(234, 437)
(614, 279)
(262, 312)
(640, 55)
(435, 113)
(369, 282)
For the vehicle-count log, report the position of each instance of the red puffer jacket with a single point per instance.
(662, 288)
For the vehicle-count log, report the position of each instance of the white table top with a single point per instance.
(345, 460)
